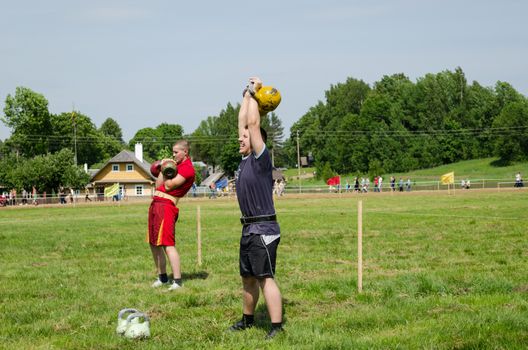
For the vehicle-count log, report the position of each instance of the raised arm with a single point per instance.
(249, 117)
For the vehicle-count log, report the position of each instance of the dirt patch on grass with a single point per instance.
(521, 289)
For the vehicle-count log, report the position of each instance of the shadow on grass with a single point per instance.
(198, 275)
(262, 320)
(500, 163)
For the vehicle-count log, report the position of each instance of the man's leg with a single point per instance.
(273, 298)
(250, 298)
(274, 303)
(174, 261)
(159, 259)
(161, 266)
(251, 295)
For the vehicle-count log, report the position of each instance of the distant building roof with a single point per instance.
(212, 178)
(277, 175)
(126, 156)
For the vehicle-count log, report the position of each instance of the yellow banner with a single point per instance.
(111, 190)
(448, 178)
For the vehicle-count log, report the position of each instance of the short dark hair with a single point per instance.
(184, 144)
(264, 134)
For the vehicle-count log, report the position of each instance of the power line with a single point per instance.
(324, 134)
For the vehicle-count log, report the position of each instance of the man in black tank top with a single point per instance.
(260, 231)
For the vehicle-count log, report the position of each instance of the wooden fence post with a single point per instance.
(360, 246)
(199, 235)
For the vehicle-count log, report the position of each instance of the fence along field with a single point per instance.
(440, 271)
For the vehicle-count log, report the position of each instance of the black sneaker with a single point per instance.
(273, 332)
(240, 326)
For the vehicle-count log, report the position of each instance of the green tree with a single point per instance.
(150, 139)
(3, 150)
(506, 94)
(324, 171)
(230, 157)
(273, 126)
(109, 147)
(204, 141)
(197, 174)
(112, 129)
(512, 144)
(481, 110)
(26, 113)
(169, 133)
(215, 134)
(45, 172)
(164, 153)
(156, 139)
(77, 132)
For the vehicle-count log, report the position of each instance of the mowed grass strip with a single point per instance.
(440, 271)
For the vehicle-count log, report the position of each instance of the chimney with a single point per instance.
(139, 152)
(86, 168)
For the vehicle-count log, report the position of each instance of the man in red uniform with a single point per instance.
(163, 214)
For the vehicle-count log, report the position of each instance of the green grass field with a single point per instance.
(440, 271)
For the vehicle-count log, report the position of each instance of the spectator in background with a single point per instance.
(393, 183)
(212, 189)
(356, 184)
(12, 197)
(87, 195)
(62, 195)
(24, 196)
(282, 184)
(35, 196)
(518, 180)
(276, 187)
(408, 184)
(400, 184)
(380, 183)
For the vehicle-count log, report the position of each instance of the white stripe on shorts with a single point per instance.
(267, 239)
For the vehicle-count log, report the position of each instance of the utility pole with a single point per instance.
(74, 137)
(298, 162)
(272, 151)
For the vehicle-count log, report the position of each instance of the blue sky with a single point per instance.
(148, 62)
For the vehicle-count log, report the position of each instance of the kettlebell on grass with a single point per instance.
(136, 329)
(122, 321)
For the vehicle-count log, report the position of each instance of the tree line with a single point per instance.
(47, 150)
(395, 125)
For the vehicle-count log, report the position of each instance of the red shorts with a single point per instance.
(162, 218)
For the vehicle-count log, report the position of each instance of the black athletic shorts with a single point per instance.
(256, 258)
